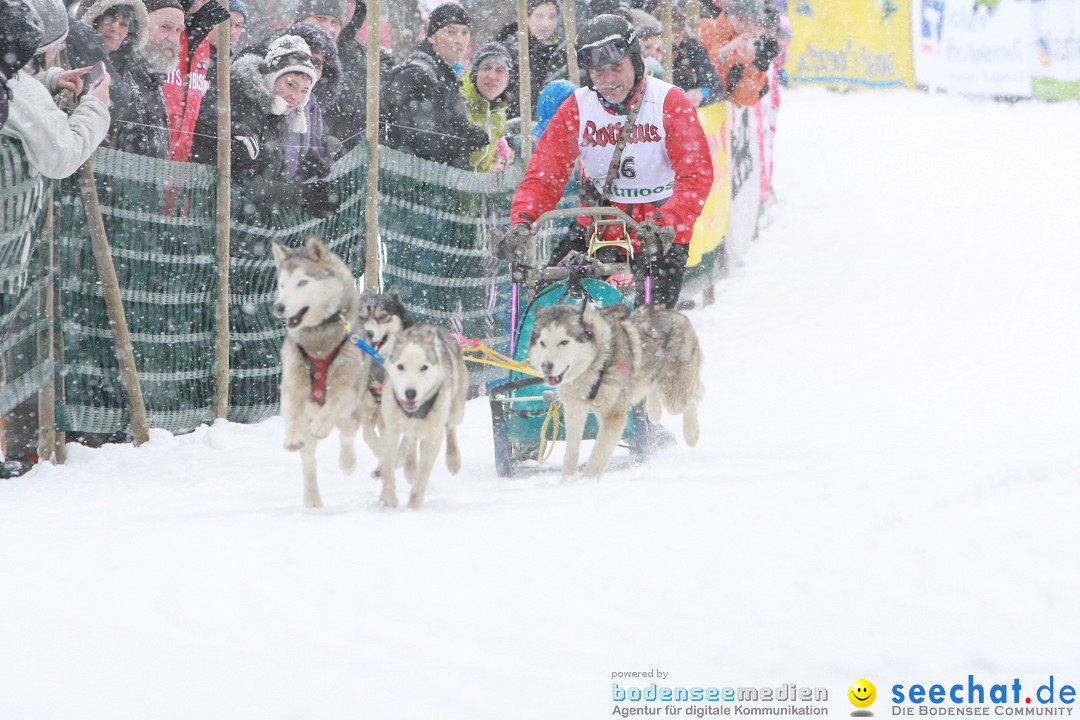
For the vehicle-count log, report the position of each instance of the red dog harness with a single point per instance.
(318, 370)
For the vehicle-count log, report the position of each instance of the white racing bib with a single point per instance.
(645, 172)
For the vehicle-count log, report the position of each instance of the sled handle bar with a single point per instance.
(593, 212)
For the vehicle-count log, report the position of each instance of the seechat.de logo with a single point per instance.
(862, 695)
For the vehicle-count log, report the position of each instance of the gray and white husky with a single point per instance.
(321, 371)
(423, 401)
(606, 360)
(381, 315)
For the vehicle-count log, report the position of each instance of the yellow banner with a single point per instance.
(713, 222)
(851, 43)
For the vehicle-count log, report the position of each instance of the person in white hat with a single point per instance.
(269, 94)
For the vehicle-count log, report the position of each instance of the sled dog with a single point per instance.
(322, 373)
(380, 316)
(606, 360)
(423, 400)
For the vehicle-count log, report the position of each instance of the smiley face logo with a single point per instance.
(862, 693)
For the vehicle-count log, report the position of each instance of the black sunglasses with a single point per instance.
(606, 52)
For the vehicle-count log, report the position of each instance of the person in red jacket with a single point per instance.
(185, 86)
(665, 173)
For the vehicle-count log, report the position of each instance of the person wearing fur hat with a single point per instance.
(269, 93)
(143, 128)
(424, 112)
(484, 89)
(547, 52)
(307, 154)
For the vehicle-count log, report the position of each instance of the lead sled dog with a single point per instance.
(423, 401)
(322, 372)
(606, 360)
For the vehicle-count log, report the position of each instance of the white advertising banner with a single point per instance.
(1055, 63)
(971, 49)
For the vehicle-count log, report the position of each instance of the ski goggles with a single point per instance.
(606, 52)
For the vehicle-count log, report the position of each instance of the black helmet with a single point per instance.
(607, 39)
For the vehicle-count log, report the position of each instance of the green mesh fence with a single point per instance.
(21, 280)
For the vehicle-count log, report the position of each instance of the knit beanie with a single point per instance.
(54, 23)
(152, 5)
(238, 6)
(447, 14)
(492, 53)
(22, 29)
(333, 8)
(288, 54)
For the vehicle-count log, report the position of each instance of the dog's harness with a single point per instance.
(421, 412)
(318, 370)
(595, 389)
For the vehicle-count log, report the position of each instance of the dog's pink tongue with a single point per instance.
(552, 380)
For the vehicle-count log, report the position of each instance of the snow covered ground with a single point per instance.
(887, 488)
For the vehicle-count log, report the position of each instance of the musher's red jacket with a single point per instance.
(685, 145)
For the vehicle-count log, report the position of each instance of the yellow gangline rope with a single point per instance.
(492, 357)
(547, 445)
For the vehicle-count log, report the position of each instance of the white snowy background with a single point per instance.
(886, 487)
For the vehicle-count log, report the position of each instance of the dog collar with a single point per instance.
(318, 370)
(421, 412)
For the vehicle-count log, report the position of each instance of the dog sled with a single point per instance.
(526, 416)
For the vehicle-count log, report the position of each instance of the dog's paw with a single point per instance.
(313, 502)
(388, 498)
(415, 501)
(294, 442)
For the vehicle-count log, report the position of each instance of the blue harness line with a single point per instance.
(365, 346)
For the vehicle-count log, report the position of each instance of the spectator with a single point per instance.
(425, 113)
(55, 145)
(237, 22)
(268, 98)
(551, 97)
(87, 44)
(144, 128)
(547, 52)
(20, 36)
(347, 120)
(307, 154)
(691, 69)
(186, 83)
(733, 33)
(330, 15)
(238, 15)
(486, 99)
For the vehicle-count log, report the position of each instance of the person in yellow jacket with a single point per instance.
(484, 89)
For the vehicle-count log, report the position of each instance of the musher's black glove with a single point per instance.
(655, 240)
(514, 242)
